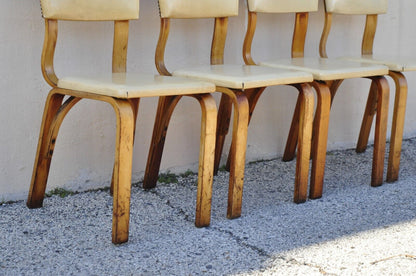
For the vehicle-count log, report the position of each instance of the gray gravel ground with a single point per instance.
(353, 230)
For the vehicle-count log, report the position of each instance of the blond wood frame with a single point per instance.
(243, 103)
(326, 91)
(126, 114)
(399, 110)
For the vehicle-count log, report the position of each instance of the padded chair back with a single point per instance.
(282, 6)
(356, 6)
(198, 8)
(90, 10)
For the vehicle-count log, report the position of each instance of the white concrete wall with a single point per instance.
(84, 152)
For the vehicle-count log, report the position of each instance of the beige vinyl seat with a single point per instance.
(397, 65)
(123, 91)
(237, 83)
(328, 75)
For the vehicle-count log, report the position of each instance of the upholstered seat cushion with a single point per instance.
(329, 69)
(395, 63)
(130, 85)
(244, 76)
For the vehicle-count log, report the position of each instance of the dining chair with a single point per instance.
(237, 83)
(122, 91)
(396, 63)
(328, 75)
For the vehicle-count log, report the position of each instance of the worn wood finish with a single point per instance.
(238, 150)
(206, 159)
(397, 123)
(218, 40)
(161, 46)
(320, 139)
(369, 112)
(48, 52)
(380, 130)
(126, 115)
(304, 142)
(299, 34)
(369, 34)
(397, 127)
(292, 138)
(253, 95)
(164, 112)
(223, 125)
(325, 34)
(248, 39)
(300, 133)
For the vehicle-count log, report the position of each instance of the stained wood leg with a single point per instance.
(223, 125)
(253, 95)
(135, 107)
(397, 126)
(53, 115)
(292, 137)
(304, 142)
(238, 152)
(164, 113)
(122, 170)
(206, 159)
(370, 111)
(380, 131)
(320, 134)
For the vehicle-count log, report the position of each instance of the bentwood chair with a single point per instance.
(123, 91)
(236, 83)
(396, 63)
(328, 76)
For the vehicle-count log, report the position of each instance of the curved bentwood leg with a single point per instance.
(369, 112)
(253, 95)
(320, 138)
(238, 150)
(380, 130)
(223, 125)
(292, 138)
(122, 169)
(164, 112)
(305, 125)
(53, 115)
(397, 126)
(206, 159)
(135, 107)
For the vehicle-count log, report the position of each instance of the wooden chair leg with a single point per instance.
(238, 151)
(397, 126)
(164, 113)
(380, 130)
(135, 107)
(223, 125)
(370, 111)
(122, 170)
(292, 137)
(54, 114)
(253, 95)
(206, 159)
(320, 138)
(304, 142)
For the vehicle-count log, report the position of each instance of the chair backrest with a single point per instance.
(356, 6)
(282, 6)
(370, 8)
(300, 7)
(90, 10)
(198, 8)
(220, 10)
(119, 11)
